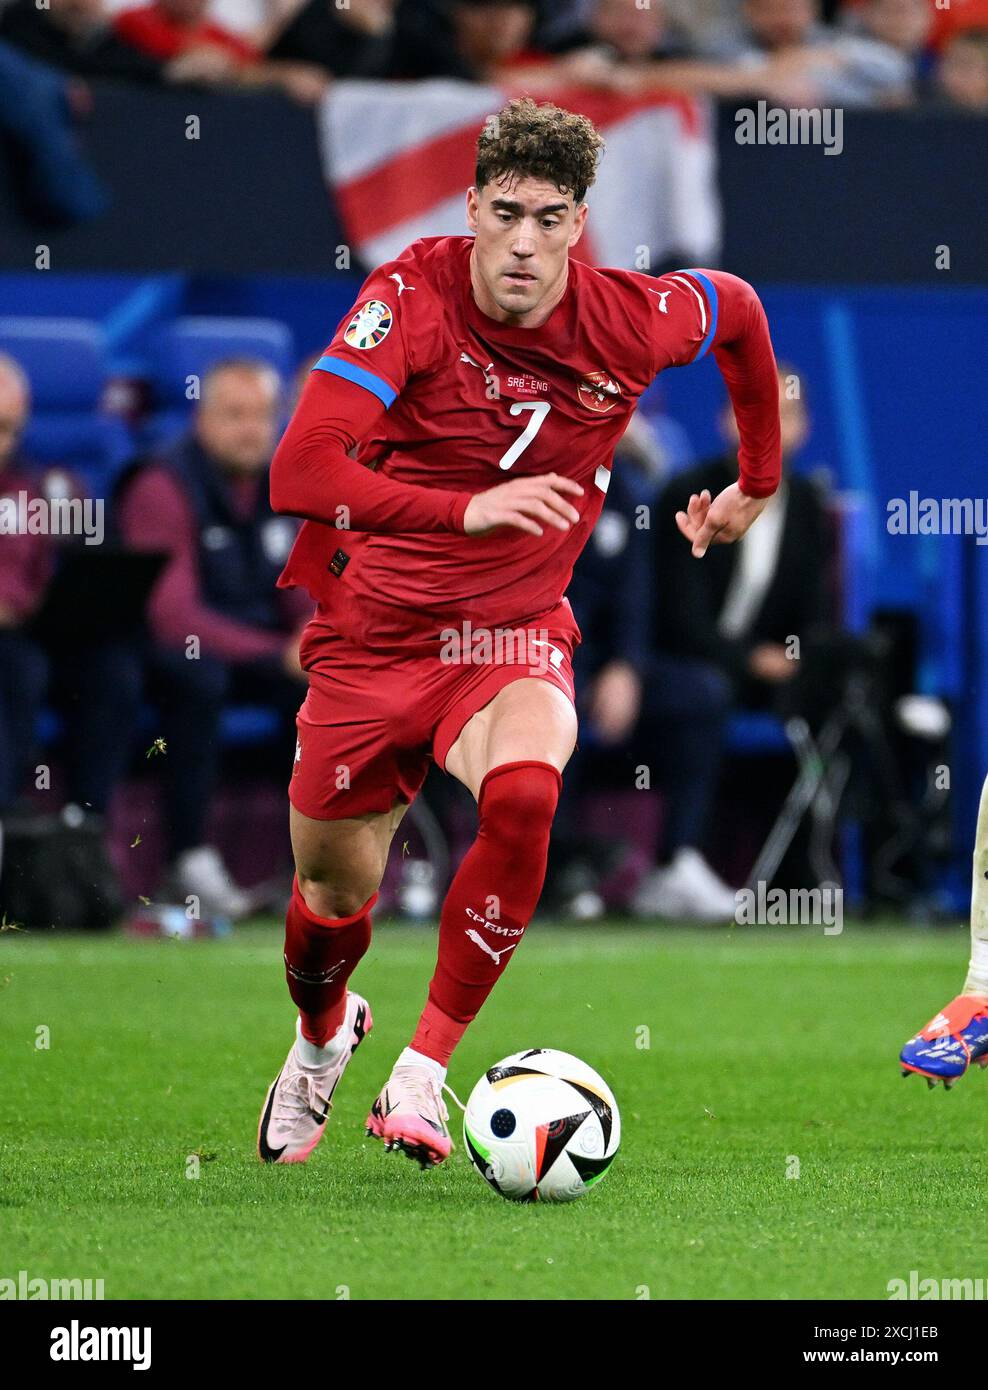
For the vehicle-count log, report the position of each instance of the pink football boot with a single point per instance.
(410, 1116)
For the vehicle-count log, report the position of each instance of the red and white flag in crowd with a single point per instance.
(400, 156)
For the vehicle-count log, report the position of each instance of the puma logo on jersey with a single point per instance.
(556, 659)
(402, 287)
(465, 357)
(489, 950)
(663, 296)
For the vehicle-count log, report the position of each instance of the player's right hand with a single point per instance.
(524, 503)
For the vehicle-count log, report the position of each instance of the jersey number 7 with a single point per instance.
(539, 409)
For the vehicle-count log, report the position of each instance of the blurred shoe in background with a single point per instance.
(686, 888)
(201, 873)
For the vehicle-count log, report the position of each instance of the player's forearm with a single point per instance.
(321, 483)
(742, 348)
(313, 476)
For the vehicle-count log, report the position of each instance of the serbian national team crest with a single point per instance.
(370, 325)
(598, 391)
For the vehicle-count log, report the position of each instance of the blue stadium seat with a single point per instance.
(756, 732)
(244, 725)
(67, 365)
(188, 347)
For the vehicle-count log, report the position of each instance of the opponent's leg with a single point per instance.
(958, 1035)
(339, 866)
(510, 755)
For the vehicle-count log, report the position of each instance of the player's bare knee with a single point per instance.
(327, 898)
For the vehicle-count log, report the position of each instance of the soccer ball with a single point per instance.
(541, 1126)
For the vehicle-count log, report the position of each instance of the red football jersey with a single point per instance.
(472, 403)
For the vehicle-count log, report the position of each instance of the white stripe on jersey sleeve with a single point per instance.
(682, 280)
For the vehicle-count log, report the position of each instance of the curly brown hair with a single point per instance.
(526, 139)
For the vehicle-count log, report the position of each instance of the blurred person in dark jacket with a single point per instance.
(355, 41)
(623, 31)
(37, 117)
(620, 45)
(221, 630)
(467, 39)
(77, 36)
(26, 563)
(738, 607)
(80, 678)
(644, 708)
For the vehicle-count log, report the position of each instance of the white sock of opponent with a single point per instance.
(977, 974)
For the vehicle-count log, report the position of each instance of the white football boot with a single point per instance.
(299, 1100)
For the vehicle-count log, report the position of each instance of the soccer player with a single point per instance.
(487, 379)
(958, 1034)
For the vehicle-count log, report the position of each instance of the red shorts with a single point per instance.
(372, 720)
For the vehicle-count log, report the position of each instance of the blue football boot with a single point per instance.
(949, 1043)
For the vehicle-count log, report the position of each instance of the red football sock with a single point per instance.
(321, 953)
(490, 901)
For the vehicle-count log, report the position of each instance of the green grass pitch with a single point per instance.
(764, 1046)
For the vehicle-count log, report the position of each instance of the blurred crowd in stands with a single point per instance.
(671, 647)
(791, 52)
(893, 54)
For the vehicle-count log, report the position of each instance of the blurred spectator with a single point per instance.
(36, 116)
(557, 19)
(746, 612)
(738, 606)
(618, 36)
(781, 53)
(905, 26)
(80, 37)
(621, 45)
(180, 31)
(954, 18)
(780, 49)
(221, 630)
(351, 42)
(25, 567)
(82, 679)
(468, 39)
(629, 33)
(807, 63)
(962, 76)
(76, 35)
(641, 707)
(774, 26)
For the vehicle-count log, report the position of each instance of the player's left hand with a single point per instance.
(720, 521)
